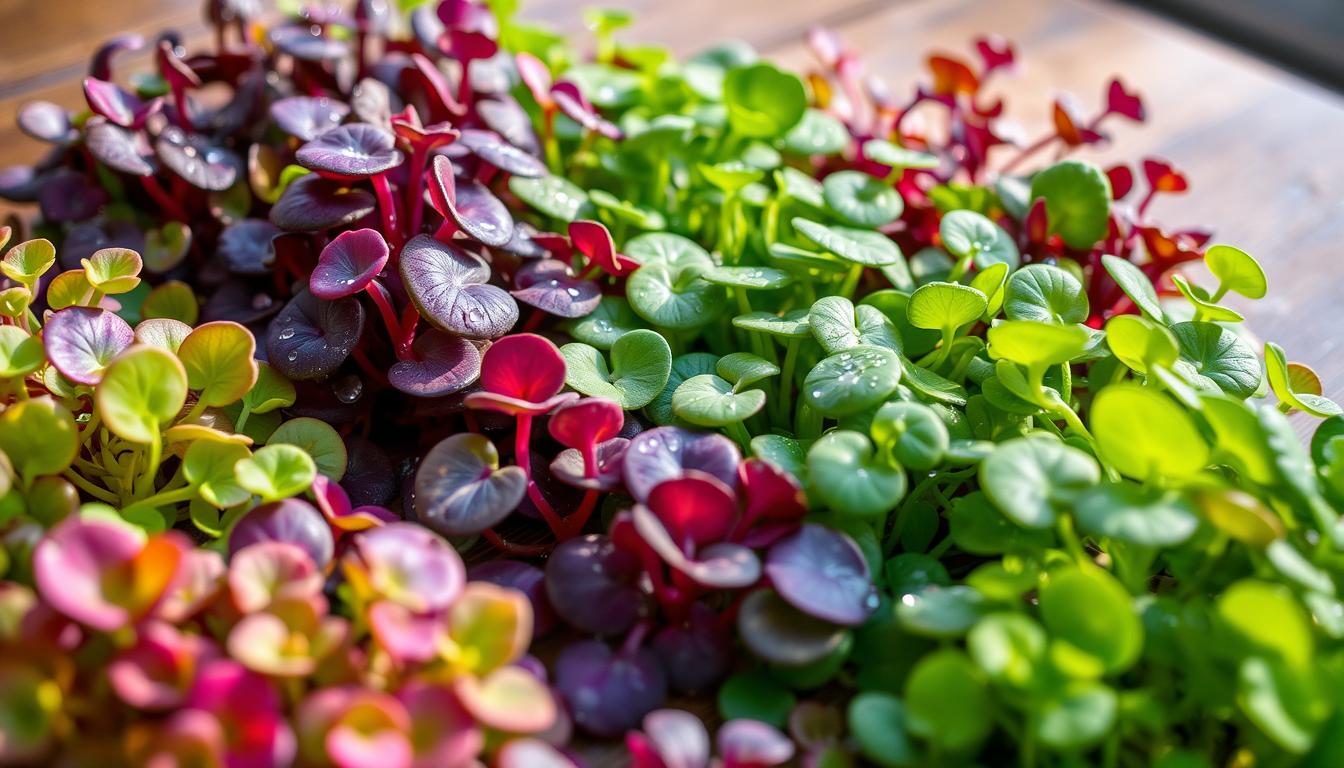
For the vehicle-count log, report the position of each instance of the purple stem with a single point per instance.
(387, 205)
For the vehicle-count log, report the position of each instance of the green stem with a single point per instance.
(1072, 543)
(175, 496)
(955, 274)
(851, 282)
(243, 413)
(785, 404)
(195, 413)
(145, 486)
(738, 432)
(89, 488)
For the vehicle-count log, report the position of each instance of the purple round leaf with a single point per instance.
(568, 466)
(247, 246)
(696, 654)
(666, 453)
(306, 43)
(371, 102)
(311, 204)
(779, 633)
(47, 122)
(724, 565)
(503, 115)
(238, 301)
(117, 105)
(20, 183)
(746, 742)
(477, 211)
(609, 693)
(548, 285)
(522, 244)
(202, 164)
(369, 477)
(493, 149)
(350, 152)
(460, 490)
(310, 338)
(81, 341)
(528, 579)
(291, 521)
(68, 196)
(577, 108)
(447, 285)
(593, 585)
(348, 264)
(822, 573)
(83, 239)
(119, 148)
(444, 364)
(307, 117)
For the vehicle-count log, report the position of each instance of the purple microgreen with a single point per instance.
(460, 488)
(609, 692)
(470, 208)
(594, 586)
(822, 573)
(549, 285)
(448, 286)
(490, 147)
(312, 204)
(120, 107)
(348, 264)
(248, 246)
(307, 117)
(439, 364)
(310, 338)
(82, 341)
(46, 122)
(359, 151)
(666, 453)
(779, 633)
(422, 140)
(180, 78)
(199, 162)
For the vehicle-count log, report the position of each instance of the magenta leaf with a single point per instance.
(442, 364)
(81, 341)
(448, 286)
(822, 573)
(350, 152)
(349, 263)
(307, 117)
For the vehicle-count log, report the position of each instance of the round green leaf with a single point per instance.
(641, 363)
(940, 612)
(748, 278)
(877, 722)
(971, 235)
(1237, 271)
(860, 199)
(1078, 716)
(1077, 201)
(674, 297)
(1086, 608)
(742, 369)
(554, 196)
(1284, 701)
(792, 325)
(173, 300)
(763, 101)
(756, 696)
(684, 367)
(668, 249)
(817, 133)
(732, 176)
(271, 391)
(1031, 478)
(1276, 366)
(710, 401)
(319, 440)
(1141, 343)
(1033, 343)
(142, 390)
(991, 281)
(846, 473)
(945, 306)
(1149, 517)
(1265, 618)
(1046, 294)
(1135, 284)
(857, 246)
(912, 434)
(20, 354)
(39, 437)
(26, 262)
(838, 325)
(209, 465)
(1145, 434)
(218, 358)
(276, 472)
(852, 381)
(604, 325)
(947, 701)
(1218, 354)
(886, 153)
(113, 270)
(1009, 647)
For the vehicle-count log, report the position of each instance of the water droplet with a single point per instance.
(349, 388)
(573, 292)
(817, 393)
(287, 333)
(293, 355)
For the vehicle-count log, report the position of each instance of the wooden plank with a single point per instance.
(1260, 146)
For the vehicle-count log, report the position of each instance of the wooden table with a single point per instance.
(1261, 147)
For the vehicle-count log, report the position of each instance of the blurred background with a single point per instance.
(1240, 96)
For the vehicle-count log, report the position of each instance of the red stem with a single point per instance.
(445, 231)
(166, 202)
(383, 300)
(387, 205)
(522, 439)
(410, 319)
(415, 189)
(514, 550)
(1040, 144)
